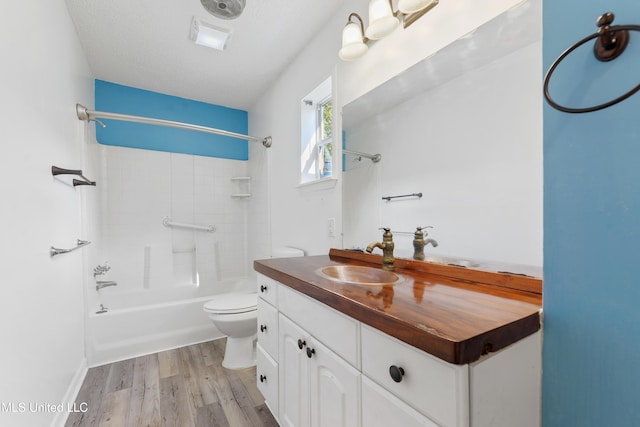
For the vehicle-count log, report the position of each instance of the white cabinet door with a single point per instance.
(382, 409)
(317, 387)
(293, 375)
(334, 384)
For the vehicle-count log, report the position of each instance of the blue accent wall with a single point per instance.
(114, 98)
(591, 226)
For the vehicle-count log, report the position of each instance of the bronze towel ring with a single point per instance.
(611, 42)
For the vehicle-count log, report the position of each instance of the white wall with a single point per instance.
(258, 210)
(298, 216)
(44, 74)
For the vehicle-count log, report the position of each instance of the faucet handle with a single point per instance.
(387, 233)
(100, 270)
(419, 230)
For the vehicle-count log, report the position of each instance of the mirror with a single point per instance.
(463, 128)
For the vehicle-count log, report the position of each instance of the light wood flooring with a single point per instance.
(184, 387)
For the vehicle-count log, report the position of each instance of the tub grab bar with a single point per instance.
(167, 222)
(55, 251)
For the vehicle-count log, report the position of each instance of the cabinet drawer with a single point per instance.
(267, 289)
(267, 378)
(433, 387)
(268, 328)
(382, 409)
(335, 330)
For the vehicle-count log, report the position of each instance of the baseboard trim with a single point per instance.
(71, 394)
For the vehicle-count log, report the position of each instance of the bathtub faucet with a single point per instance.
(100, 270)
(104, 283)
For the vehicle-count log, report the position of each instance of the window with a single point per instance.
(324, 125)
(316, 147)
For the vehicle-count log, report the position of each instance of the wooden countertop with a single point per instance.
(453, 313)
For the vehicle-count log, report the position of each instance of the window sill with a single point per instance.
(319, 184)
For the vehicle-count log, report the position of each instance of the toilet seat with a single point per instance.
(232, 303)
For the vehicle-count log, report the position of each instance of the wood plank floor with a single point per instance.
(182, 387)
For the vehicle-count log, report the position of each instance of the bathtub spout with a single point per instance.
(104, 283)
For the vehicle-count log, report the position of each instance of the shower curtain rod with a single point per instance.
(90, 115)
(375, 158)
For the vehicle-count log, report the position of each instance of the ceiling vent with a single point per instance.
(225, 9)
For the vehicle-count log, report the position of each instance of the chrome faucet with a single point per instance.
(419, 242)
(104, 283)
(387, 246)
(100, 270)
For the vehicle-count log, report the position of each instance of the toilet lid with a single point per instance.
(232, 303)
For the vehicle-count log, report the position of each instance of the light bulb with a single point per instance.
(381, 20)
(353, 46)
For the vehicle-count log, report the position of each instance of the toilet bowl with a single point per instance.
(236, 316)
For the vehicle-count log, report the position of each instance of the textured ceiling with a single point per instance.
(145, 44)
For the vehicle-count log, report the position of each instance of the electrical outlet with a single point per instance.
(331, 227)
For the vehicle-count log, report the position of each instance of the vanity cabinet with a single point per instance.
(317, 366)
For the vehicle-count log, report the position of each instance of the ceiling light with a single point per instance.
(353, 42)
(382, 22)
(208, 35)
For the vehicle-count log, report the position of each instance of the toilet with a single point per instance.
(236, 316)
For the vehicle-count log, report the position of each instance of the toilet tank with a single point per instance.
(286, 252)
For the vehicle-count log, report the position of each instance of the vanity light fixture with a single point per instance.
(382, 21)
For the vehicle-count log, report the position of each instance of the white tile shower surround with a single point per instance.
(142, 188)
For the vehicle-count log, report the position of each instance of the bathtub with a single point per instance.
(142, 322)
